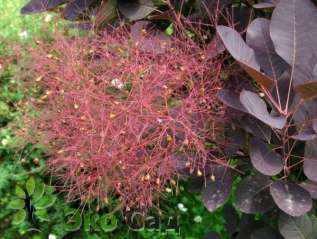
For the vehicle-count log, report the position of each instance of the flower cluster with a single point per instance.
(124, 122)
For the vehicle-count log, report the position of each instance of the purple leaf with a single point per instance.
(315, 125)
(256, 127)
(305, 134)
(231, 99)
(242, 17)
(257, 107)
(195, 184)
(310, 160)
(294, 31)
(311, 187)
(295, 227)
(291, 198)
(266, 233)
(218, 187)
(258, 38)
(264, 159)
(135, 9)
(75, 9)
(36, 6)
(241, 52)
(283, 92)
(211, 235)
(252, 195)
(232, 219)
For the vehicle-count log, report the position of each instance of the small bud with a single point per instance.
(76, 106)
(36, 161)
(38, 78)
(112, 116)
(169, 138)
(147, 177)
(169, 190)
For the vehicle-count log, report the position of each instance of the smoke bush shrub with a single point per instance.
(122, 121)
(279, 117)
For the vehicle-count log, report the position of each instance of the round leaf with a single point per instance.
(258, 108)
(311, 187)
(252, 195)
(264, 159)
(291, 198)
(295, 227)
(218, 188)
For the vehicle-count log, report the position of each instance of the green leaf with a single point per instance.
(169, 30)
(49, 189)
(17, 204)
(30, 185)
(19, 217)
(20, 192)
(42, 215)
(108, 222)
(38, 192)
(45, 202)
